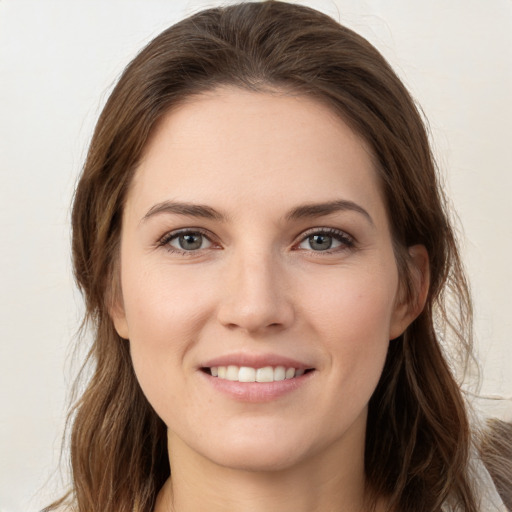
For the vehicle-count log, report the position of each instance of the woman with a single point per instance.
(266, 260)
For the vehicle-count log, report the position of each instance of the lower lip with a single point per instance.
(257, 391)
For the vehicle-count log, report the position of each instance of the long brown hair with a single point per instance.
(418, 436)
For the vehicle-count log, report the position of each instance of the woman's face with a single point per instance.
(256, 246)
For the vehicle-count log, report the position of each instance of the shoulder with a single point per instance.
(496, 455)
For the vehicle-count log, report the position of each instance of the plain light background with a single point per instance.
(59, 60)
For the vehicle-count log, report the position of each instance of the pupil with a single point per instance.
(320, 242)
(190, 242)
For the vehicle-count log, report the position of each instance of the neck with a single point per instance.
(331, 480)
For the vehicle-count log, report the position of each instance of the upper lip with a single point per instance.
(255, 361)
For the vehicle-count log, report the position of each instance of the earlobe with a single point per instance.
(408, 308)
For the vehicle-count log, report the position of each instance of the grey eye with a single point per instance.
(320, 242)
(190, 242)
(324, 241)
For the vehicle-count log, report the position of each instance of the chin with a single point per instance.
(259, 460)
(260, 452)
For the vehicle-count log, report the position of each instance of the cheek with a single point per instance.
(349, 302)
(162, 304)
(351, 314)
(164, 311)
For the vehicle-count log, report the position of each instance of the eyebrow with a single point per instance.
(185, 209)
(323, 209)
(310, 210)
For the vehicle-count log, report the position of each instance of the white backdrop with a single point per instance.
(59, 60)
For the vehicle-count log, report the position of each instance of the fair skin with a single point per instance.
(255, 235)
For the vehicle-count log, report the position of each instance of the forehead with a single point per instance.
(260, 148)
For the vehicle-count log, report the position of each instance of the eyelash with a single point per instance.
(346, 240)
(168, 237)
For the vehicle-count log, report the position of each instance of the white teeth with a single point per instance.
(232, 372)
(248, 374)
(265, 374)
(279, 373)
(290, 373)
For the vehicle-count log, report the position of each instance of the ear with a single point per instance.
(118, 316)
(409, 305)
(114, 301)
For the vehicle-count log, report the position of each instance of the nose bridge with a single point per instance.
(255, 297)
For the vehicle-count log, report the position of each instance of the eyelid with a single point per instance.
(346, 239)
(164, 240)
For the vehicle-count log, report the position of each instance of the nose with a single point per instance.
(255, 296)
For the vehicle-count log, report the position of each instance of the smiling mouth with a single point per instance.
(248, 374)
